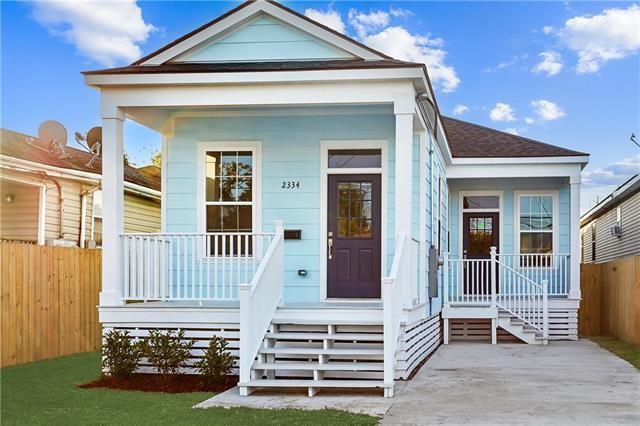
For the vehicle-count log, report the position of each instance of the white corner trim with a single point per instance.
(256, 182)
(462, 211)
(554, 217)
(163, 183)
(325, 171)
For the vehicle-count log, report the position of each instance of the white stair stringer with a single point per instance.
(316, 353)
(519, 328)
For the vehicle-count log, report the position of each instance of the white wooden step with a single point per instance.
(310, 366)
(320, 351)
(313, 384)
(325, 336)
(322, 321)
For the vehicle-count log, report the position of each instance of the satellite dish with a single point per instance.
(54, 135)
(94, 135)
(94, 140)
(51, 131)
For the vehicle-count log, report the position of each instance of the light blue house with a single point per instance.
(320, 213)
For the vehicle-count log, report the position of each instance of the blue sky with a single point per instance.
(567, 73)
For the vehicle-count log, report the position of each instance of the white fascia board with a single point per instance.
(18, 164)
(522, 160)
(115, 98)
(247, 12)
(254, 77)
(514, 170)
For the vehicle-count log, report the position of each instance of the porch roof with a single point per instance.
(468, 140)
(338, 64)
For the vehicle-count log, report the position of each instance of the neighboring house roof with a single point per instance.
(24, 147)
(468, 140)
(620, 194)
(335, 64)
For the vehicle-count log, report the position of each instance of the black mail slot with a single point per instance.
(293, 234)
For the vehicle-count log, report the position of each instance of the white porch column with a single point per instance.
(112, 207)
(404, 172)
(574, 260)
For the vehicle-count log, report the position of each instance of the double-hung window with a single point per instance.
(536, 227)
(229, 198)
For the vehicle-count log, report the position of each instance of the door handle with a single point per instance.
(330, 245)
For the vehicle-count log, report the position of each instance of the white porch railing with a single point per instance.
(258, 302)
(190, 266)
(395, 288)
(518, 283)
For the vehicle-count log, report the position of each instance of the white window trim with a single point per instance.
(256, 182)
(462, 211)
(554, 217)
(325, 171)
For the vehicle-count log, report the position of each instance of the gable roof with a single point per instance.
(468, 140)
(262, 4)
(18, 145)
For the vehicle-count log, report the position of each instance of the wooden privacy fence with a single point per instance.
(49, 298)
(611, 299)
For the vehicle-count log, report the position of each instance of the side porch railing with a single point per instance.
(518, 283)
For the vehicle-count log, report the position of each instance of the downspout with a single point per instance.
(83, 214)
(60, 202)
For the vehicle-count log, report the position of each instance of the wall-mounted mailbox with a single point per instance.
(293, 234)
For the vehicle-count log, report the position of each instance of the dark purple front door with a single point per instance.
(353, 236)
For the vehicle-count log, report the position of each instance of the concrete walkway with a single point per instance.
(562, 383)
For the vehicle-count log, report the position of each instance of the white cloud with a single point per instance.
(460, 109)
(330, 18)
(366, 23)
(547, 110)
(551, 63)
(597, 39)
(614, 173)
(512, 130)
(502, 112)
(107, 32)
(400, 13)
(398, 43)
(547, 29)
(529, 120)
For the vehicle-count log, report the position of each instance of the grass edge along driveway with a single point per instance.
(45, 392)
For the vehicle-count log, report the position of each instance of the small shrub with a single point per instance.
(217, 362)
(120, 354)
(167, 351)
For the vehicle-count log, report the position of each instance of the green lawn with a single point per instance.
(627, 351)
(45, 393)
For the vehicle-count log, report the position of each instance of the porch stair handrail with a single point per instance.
(259, 300)
(393, 294)
(522, 297)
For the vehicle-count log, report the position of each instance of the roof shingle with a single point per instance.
(468, 140)
(21, 146)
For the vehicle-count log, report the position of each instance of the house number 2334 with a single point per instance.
(290, 184)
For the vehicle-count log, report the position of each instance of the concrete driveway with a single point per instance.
(562, 383)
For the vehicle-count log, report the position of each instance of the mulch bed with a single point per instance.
(157, 383)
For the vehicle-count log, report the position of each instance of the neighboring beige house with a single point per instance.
(611, 229)
(46, 199)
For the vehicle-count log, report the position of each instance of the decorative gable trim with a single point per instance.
(244, 12)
